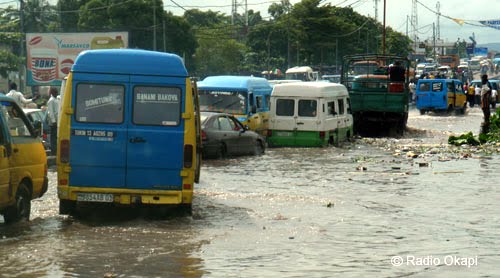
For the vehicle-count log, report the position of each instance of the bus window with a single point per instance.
(331, 108)
(341, 107)
(157, 106)
(307, 108)
(424, 87)
(99, 103)
(285, 107)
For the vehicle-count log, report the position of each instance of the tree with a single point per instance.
(39, 16)
(8, 63)
(218, 54)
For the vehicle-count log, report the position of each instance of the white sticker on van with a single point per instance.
(157, 98)
(82, 119)
(168, 123)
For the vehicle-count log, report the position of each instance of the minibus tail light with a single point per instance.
(398, 87)
(321, 134)
(269, 133)
(188, 156)
(203, 135)
(64, 151)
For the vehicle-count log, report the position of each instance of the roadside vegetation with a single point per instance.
(493, 136)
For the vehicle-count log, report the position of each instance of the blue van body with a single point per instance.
(127, 128)
(440, 95)
(245, 97)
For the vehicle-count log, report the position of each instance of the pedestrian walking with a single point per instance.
(53, 114)
(470, 95)
(486, 89)
(477, 95)
(18, 96)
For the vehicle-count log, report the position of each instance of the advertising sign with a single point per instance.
(481, 51)
(51, 55)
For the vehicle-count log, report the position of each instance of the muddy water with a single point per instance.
(293, 213)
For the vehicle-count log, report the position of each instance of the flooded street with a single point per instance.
(380, 207)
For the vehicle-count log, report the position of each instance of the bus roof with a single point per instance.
(299, 69)
(231, 82)
(130, 61)
(309, 89)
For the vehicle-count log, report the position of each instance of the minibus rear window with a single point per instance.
(424, 87)
(99, 103)
(157, 106)
(285, 107)
(307, 108)
(437, 86)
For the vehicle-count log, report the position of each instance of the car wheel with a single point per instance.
(67, 207)
(22, 208)
(221, 152)
(258, 148)
(422, 112)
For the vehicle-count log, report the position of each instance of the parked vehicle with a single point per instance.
(375, 99)
(444, 71)
(309, 114)
(334, 78)
(128, 131)
(441, 95)
(39, 116)
(303, 73)
(223, 135)
(245, 97)
(23, 163)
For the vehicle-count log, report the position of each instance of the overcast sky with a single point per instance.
(396, 15)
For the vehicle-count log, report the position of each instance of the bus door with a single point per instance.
(307, 118)
(98, 131)
(155, 141)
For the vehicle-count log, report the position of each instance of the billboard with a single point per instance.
(51, 55)
(481, 51)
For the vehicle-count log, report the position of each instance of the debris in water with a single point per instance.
(423, 164)
(330, 204)
(361, 168)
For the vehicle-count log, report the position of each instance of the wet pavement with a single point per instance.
(382, 207)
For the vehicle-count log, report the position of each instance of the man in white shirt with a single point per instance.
(18, 96)
(53, 114)
(477, 95)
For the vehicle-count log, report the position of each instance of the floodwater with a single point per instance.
(378, 207)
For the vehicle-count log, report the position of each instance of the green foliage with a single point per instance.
(464, 139)
(8, 62)
(493, 134)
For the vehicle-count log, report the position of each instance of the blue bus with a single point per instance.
(245, 97)
(129, 132)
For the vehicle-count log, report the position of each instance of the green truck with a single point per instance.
(378, 89)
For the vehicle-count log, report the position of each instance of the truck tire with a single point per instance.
(22, 208)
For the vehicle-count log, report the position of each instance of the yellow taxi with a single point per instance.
(23, 162)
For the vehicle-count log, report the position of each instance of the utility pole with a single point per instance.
(21, 46)
(154, 25)
(164, 38)
(376, 9)
(438, 30)
(414, 24)
(384, 34)
(434, 41)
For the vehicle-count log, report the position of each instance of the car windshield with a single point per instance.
(223, 101)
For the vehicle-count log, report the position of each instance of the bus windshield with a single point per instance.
(230, 102)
